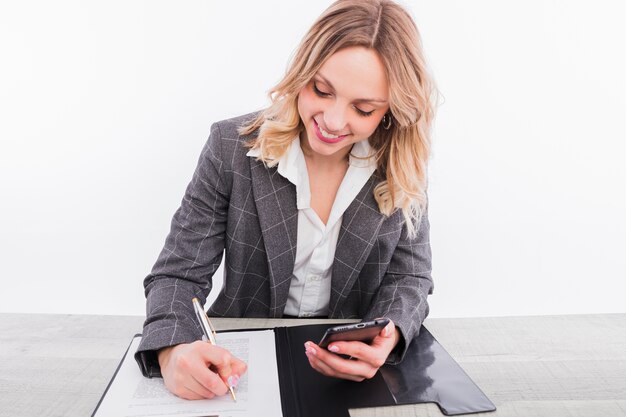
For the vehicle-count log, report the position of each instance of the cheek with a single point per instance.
(309, 103)
(367, 127)
(305, 102)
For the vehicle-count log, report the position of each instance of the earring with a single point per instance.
(386, 122)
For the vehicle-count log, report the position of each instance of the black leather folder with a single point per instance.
(427, 374)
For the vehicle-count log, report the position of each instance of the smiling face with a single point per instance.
(344, 102)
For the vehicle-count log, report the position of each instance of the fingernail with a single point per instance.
(333, 348)
(233, 380)
(310, 349)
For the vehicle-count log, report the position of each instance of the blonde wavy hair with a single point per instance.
(403, 150)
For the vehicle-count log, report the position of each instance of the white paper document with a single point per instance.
(258, 393)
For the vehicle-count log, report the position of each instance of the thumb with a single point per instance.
(219, 361)
(388, 330)
(385, 336)
(230, 371)
(225, 371)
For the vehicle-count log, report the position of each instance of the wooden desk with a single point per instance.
(59, 365)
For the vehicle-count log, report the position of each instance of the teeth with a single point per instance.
(326, 134)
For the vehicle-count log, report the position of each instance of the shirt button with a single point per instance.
(314, 278)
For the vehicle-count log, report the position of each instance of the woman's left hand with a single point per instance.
(365, 359)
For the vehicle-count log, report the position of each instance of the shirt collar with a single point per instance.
(292, 166)
(359, 156)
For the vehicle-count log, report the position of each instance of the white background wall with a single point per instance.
(105, 106)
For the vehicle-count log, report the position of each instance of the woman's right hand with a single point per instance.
(199, 370)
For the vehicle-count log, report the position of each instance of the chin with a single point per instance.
(324, 149)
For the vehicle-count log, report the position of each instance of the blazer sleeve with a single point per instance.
(402, 294)
(192, 253)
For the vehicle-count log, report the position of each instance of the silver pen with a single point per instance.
(209, 332)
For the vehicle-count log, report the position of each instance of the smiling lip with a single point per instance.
(323, 138)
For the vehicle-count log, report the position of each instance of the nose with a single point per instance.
(335, 119)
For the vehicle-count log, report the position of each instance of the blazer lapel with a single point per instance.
(359, 228)
(275, 199)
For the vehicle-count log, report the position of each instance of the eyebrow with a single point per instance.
(359, 100)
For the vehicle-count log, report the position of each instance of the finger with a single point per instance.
(208, 382)
(233, 379)
(225, 365)
(374, 355)
(388, 330)
(189, 390)
(189, 394)
(195, 375)
(232, 366)
(195, 391)
(239, 368)
(340, 366)
(214, 355)
(323, 368)
(388, 338)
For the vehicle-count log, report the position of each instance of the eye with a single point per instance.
(324, 94)
(318, 91)
(363, 113)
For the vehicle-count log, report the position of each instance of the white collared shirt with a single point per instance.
(309, 293)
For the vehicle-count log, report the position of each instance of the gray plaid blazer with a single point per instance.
(236, 204)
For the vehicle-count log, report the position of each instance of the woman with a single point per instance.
(319, 202)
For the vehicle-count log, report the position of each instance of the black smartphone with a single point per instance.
(364, 331)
